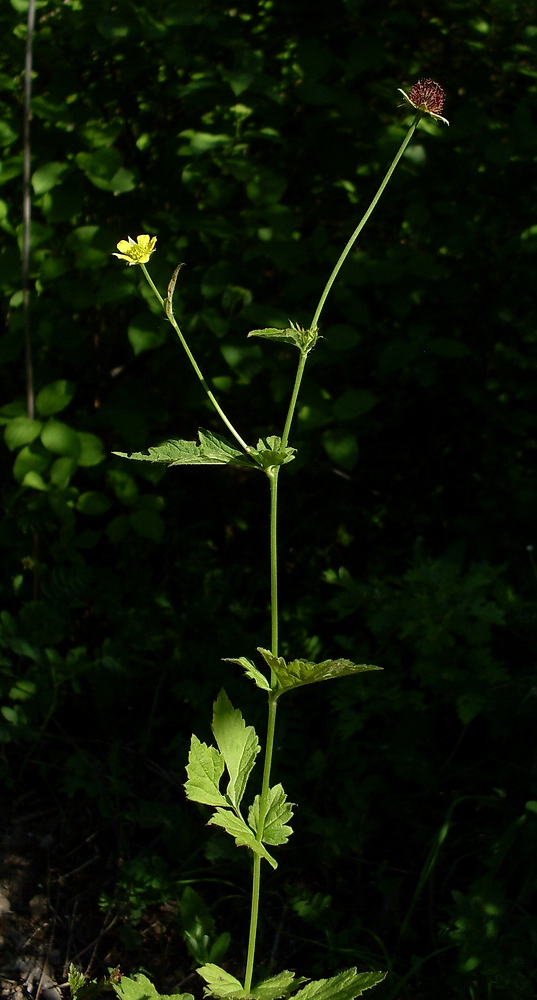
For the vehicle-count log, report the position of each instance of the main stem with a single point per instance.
(271, 726)
(363, 220)
(193, 361)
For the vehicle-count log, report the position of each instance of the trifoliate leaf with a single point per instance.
(220, 983)
(253, 673)
(345, 986)
(278, 813)
(269, 453)
(238, 744)
(244, 836)
(205, 768)
(300, 672)
(212, 450)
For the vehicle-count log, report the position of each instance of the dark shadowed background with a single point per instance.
(250, 140)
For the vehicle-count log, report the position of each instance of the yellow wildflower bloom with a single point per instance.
(137, 252)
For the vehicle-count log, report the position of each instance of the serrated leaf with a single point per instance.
(205, 768)
(295, 335)
(251, 670)
(345, 986)
(141, 988)
(243, 835)
(215, 447)
(300, 672)
(238, 743)
(279, 812)
(269, 453)
(212, 450)
(225, 986)
(275, 987)
(287, 336)
(220, 983)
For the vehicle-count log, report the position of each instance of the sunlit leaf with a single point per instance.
(279, 812)
(205, 769)
(238, 744)
(299, 672)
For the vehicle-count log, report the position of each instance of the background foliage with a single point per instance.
(249, 140)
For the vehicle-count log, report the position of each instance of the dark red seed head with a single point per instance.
(427, 95)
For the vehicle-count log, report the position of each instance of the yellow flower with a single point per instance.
(136, 253)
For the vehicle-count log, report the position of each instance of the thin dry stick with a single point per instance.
(27, 208)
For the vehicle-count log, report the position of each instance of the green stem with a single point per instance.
(271, 726)
(364, 219)
(273, 477)
(294, 397)
(256, 878)
(193, 361)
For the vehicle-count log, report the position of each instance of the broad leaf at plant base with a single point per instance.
(223, 985)
(345, 986)
(141, 988)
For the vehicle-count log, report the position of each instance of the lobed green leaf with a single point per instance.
(204, 769)
(251, 671)
(238, 744)
(279, 812)
(220, 983)
(300, 672)
(269, 453)
(223, 985)
(212, 450)
(241, 832)
(345, 986)
(295, 335)
(141, 988)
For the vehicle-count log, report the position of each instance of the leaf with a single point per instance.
(91, 449)
(300, 672)
(238, 744)
(243, 835)
(279, 811)
(275, 987)
(21, 431)
(93, 503)
(269, 453)
(212, 450)
(204, 769)
(305, 340)
(345, 986)
(220, 982)
(60, 439)
(47, 176)
(141, 988)
(54, 397)
(251, 670)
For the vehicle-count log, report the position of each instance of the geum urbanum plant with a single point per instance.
(266, 823)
